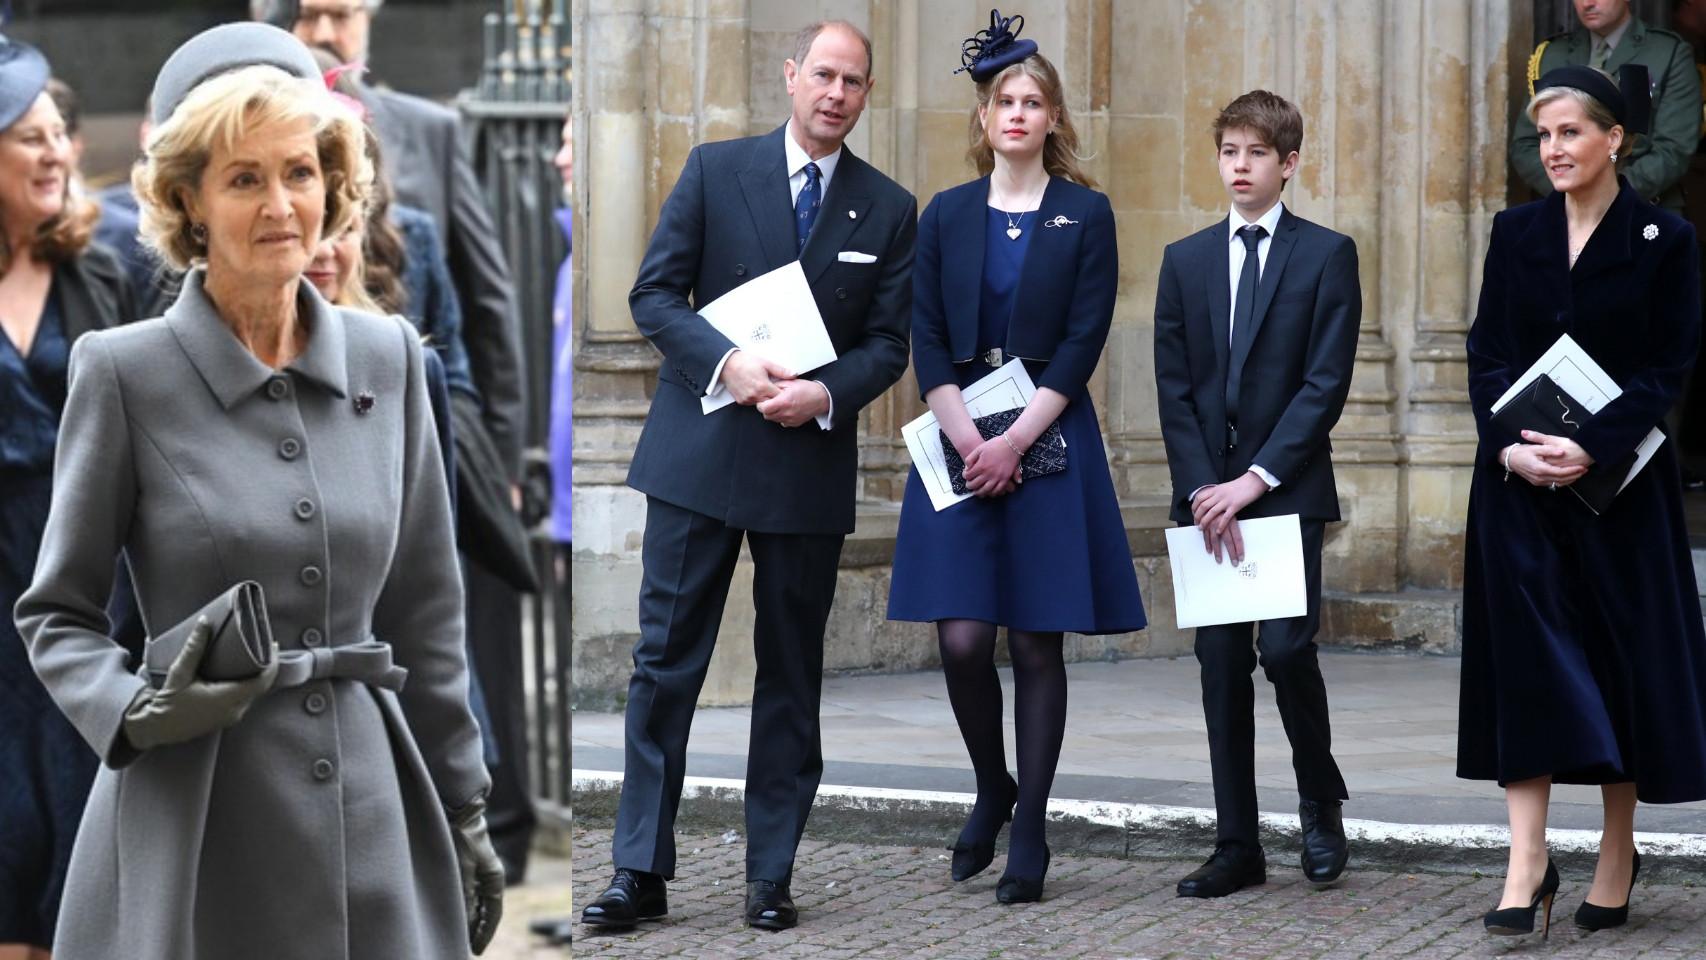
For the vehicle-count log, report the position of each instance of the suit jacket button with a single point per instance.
(310, 576)
(840, 293)
(289, 448)
(304, 509)
(323, 769)
(312, 637)
(314, 703)
(740, 269)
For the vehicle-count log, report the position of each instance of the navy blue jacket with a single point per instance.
(728, 220)
(1065, 299)
(1293, 363)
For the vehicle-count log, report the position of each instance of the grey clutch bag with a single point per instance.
(240, 648)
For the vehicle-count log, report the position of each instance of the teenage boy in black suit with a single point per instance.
(1255, 335)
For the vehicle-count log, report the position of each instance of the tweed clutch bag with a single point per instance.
(241, 645)
(1046, 456)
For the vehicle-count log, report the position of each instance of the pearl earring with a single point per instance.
(1613, 156)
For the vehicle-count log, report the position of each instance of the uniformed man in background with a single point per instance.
(1609, 36)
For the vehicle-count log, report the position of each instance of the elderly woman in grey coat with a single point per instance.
(322, 807)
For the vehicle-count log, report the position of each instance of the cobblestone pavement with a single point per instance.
(897, 902)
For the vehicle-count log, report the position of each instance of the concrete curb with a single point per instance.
(931, 819)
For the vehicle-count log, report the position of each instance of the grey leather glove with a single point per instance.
(482, 873)
(185, 707)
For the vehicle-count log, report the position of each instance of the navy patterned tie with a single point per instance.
(1249, 278)
(805, 208)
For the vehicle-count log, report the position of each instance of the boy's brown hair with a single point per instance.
(1272, 116)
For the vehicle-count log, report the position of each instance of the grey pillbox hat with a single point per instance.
(23, 76)
(221, 50)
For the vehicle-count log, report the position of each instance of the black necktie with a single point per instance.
(805, 206)
(1243, 306)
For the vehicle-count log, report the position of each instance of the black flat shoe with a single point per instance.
(1231, 868)
(633, 895)
(1518, 921)
(1590, 916)
(769, 907)
(1012, 888)
(1324, 848)
(973, 857)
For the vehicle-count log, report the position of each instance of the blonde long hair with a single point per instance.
(1060, 149)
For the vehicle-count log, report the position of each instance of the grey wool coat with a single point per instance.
(314, 827)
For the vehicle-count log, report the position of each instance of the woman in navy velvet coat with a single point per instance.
(1584, 659)
(1019, 263)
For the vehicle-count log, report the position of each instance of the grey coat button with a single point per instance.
(289, 448)
(310, 576)
(323, 769)
(304, 509)
(312, 637)
(278, 388)
(314, 703)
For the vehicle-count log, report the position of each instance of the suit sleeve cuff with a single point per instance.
(717, 373)
(826, 420)
(1193, 497)
(1266, 477)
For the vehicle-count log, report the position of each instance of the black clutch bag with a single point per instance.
(1546, 407)
(1046, 456)
(240, 648)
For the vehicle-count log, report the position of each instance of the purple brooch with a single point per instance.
(363, 401)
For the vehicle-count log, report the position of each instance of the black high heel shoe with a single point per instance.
(971, 859)
(1592, 917)
(1016, 889)
(1517, 921)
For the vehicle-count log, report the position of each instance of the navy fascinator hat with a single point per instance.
(995, 49)
(1629, 99)
(23, 76)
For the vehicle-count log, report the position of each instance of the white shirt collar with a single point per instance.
(797, 157)
(1268, 221)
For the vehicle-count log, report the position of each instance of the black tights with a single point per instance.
(1039, 708)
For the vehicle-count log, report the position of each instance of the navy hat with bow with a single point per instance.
(995, 49)
(1629, 99)
(23, 76)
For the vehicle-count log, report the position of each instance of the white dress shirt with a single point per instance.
(1235, 252)
(797, 160)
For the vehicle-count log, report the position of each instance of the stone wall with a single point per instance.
(1405, 110)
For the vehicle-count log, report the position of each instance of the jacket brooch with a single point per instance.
(1650, 231)
(1060, 221)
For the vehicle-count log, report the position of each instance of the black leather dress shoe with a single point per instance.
(1324, 850)
(1231, 868)
(768, 906)
(633, 895)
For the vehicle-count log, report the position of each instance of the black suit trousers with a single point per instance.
(1288, 657)
(688, 560)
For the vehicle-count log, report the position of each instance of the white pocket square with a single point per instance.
(854, 256)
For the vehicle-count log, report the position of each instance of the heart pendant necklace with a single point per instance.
(1014, 227)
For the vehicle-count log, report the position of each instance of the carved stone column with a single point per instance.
(656, 78)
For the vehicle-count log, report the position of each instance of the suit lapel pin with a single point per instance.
(1060, 221)
(363, 402)
(852, 214)
(1651, 231)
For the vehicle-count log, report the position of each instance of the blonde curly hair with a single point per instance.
(215, 115)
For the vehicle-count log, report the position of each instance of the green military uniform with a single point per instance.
(1656, 165)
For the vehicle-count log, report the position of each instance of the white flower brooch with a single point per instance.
(1650, 231)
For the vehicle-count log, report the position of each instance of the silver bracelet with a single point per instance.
(1508, 451)
(1016, 451)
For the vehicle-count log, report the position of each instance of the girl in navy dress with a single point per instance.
(1019, 263)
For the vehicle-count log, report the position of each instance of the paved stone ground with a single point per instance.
(897, 902)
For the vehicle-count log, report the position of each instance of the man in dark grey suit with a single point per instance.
(777, 469)
(428, 168)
